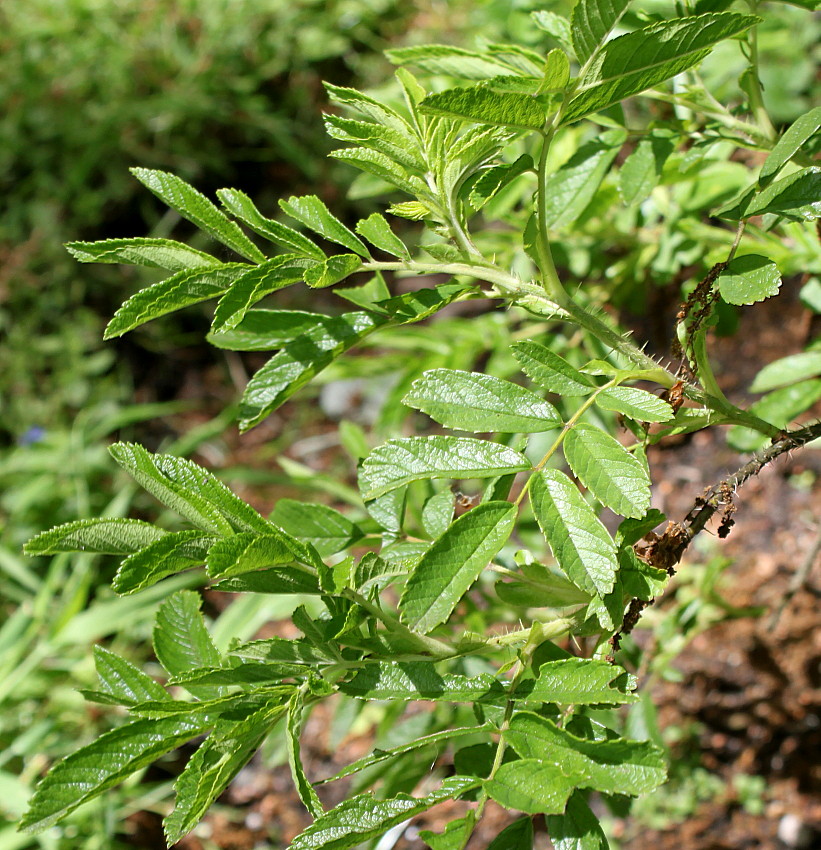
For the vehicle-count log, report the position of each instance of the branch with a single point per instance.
(666, 550)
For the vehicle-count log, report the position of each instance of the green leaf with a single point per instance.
(486, 106)
(300, 361)
(181, 641)
(472, 401)
(532, 786)
(749, 279)
(279, 649)
(108, 536)
(124, 682)
(171, 554)
(796, 197)
(549, 371)
(452, 61)
(326, 529)
(614, 476)
(188, 489)
(254, 285)
(190, 286)
(361, 818)
(642, 170)
(640, 60)
(242, 207)
(570, 189)
(495, 179)
(331, 270)
(265, 330)
(412, 458)
(408, 680)
(635, 403)
(244, 673)
(789, 144)
(437, 513)
(373, 570)
(556, 26)
(556, 71)
(779, 408)
(592, 22)
(311, 212)
(454, 836)
(195, 207)
(583, 548)
(453, 563)
(613, 766)
(578, 681)
(516, 836)
(444, 736)
(248, 551)
(402, 147)
(578, 828)
(304, 788)
(287, 580)
(385, 168)
(779, 373)
(95, 768)
(369, 107)
(217, 761)
(377, 231)
(155, 253)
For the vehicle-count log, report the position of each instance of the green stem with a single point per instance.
(547, 268)
(755, 89)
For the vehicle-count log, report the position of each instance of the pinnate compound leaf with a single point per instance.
(453, 563)
(181, 641)
(640, 60)
(591, 22)
(572, 187)
(615, 766)
(472, 401)
(409, 680)
(287, 580)
(326, 529)
(532, 786)
(242, 207)
(313, 213)
(363, 817)
(114, 536)
(172, 553)
(483, 105)
(453, 61)
(188, 489)
(123, 682)
(635, 403)
(578, 828)
(583, 548)
(398, 462)
(549, 371)
(195, 207)
(578, 681)
(642, 170)
(143, 251)
(796, 197)
(331, 270)
(95, 768)
(254, 285)
(187, 287)
(790, 143)
(369, 107)
(377, 231)
(780, 373)
(749, 279)
(556, 26)
(615, 477)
